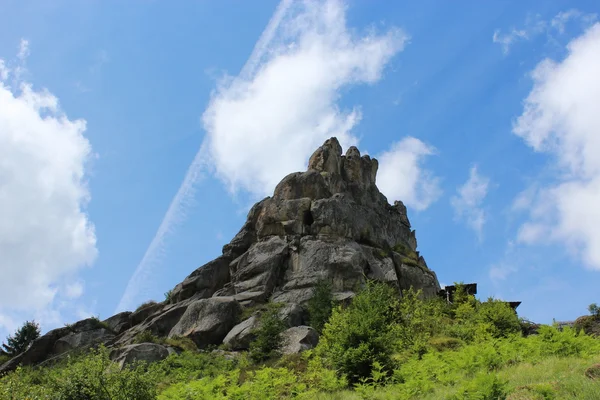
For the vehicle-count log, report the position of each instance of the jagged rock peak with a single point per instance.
(352, 168)
(327, 223)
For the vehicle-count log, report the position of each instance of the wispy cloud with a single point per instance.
(280, 107)
(535, 26)
(468, 203)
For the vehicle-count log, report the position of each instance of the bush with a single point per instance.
(181, 342)
(268, 335)
(147, 337)
(594, 310)
(168, 296)
(90, 377)
(443, 343)
(145, 305)
(363, 333)
(22, 338)
(500, 318)
(320, 305)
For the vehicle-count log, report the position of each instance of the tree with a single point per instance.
(320, 305)
(594, 310)
(23, 337)
(364, 333)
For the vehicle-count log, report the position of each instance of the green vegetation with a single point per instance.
(320, 305)
(594, 310)
(20, 341)
(380, 346)
(146, 304)
(268, 335)
(168, 296)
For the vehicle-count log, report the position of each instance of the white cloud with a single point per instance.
(561, 118)
(500, 272)
(401, 175)
(282, 110)
(23, 50)
(506, 40)
(45, 234)
(467, 204)
(264, 123)
(535, 26)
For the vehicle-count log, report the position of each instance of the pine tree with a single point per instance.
(23, 337)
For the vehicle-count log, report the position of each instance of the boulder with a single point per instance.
(298, 339)
(204, 281)
(259, 268)
(82, 340)
(143, 312)
(142, 352)
(240, 337)
(119, 323)
(207, 321)
(292, 314)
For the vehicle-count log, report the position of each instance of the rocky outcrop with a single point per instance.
(207, 321)
(142, 352)
(81, 335)
(327, 223)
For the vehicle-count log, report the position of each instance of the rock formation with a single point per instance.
(329, 222)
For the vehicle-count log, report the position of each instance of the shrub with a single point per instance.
(500, 318)
(145, 305)
(23, 337)
(168, 296)
(320, 305)
(594, 310)
(268, 335)
(443, 343)
(182, 342)
(147, 337)
(89, 377)
(363, 333)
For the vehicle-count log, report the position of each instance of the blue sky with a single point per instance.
(135, 136)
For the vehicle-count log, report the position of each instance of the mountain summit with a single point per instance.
(329, 223)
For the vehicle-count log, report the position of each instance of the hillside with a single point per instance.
(321, 294)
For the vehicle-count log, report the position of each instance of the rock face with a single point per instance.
(148, 352)
(327, 223)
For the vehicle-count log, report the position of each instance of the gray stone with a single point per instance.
(299, 339)
(141, 314)
(257, 270)
(204, 281)
(240, 337)
(119, 323)
(82, 340)
(292, 314)
(142, 352)
(207, 321)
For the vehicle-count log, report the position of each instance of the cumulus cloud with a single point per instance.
(535, 26)
(561, 118)
(265, 122)
(277, 114)
(401, 174)
(45, 234)
(467, 204)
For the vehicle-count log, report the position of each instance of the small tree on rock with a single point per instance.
(23, 337)
(594, 310)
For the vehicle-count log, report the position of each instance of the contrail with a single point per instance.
(176, 211)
